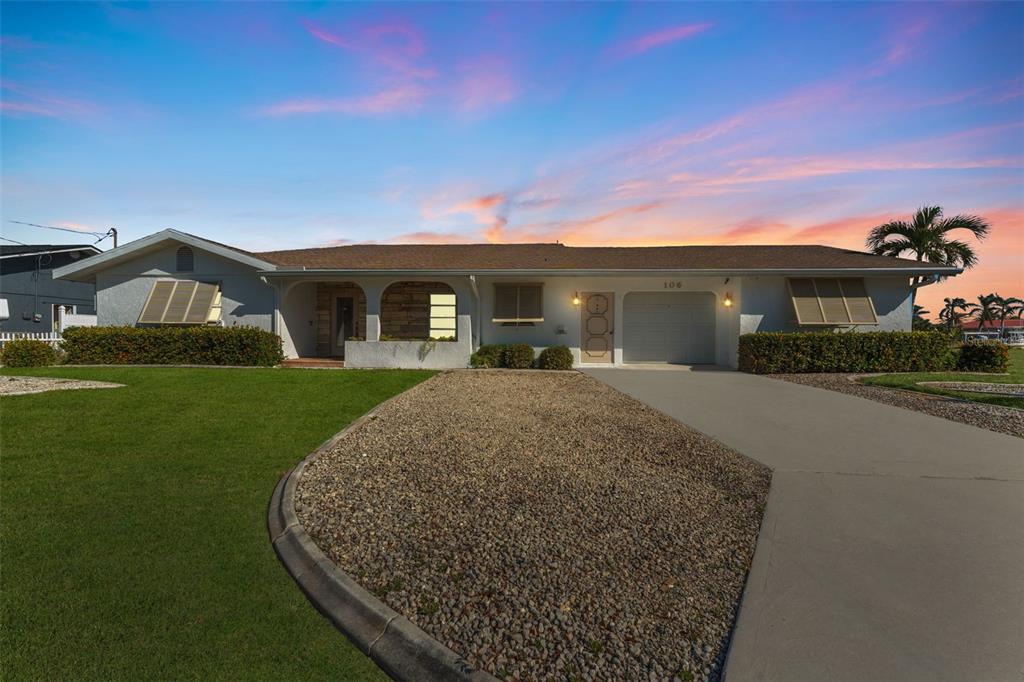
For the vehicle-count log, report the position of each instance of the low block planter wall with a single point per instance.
(408, 354)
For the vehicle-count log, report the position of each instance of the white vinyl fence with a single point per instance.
(52, 338)
(74, 320)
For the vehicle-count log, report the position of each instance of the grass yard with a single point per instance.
(909, 382)
(134, 537)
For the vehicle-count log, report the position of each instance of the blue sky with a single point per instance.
(291, 125)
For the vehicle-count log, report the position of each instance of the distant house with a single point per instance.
(1015, 324)
(377, 305)
(34, 301)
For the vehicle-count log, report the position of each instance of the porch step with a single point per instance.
(315, 363)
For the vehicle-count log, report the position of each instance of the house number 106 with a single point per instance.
(673, 285)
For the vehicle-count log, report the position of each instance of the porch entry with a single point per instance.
(597, 327)
(344, 326)
(340, 315)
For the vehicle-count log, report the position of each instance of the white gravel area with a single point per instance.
(992, 417)
(543, 525)
(1016, 390)
(13, 385)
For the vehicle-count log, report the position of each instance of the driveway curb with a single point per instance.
(392, 641)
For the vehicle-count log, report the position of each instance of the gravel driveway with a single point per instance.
(983, 415)
(543, 525)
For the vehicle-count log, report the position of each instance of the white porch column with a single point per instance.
(373, 292)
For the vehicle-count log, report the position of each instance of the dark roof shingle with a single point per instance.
(481, 257)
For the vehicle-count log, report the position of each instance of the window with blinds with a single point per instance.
(518, 303)
(182, 302)
(831, 301)
(442, 316)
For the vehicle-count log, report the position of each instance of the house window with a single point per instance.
(182, 302)
(831, 301)
(186, 260)
(518, 303)
(442, 315)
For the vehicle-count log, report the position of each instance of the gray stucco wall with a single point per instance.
(765, 305)
(563, 320)
(121, 291)
(27, 295)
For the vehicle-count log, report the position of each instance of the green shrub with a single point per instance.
(488, 355)
(518, 356)
(28, 353)
(172, 346)
(555, 357)
(779, 352)
(983, 356)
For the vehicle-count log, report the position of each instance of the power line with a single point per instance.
(100, 236)
(14, 241)
(62, 229)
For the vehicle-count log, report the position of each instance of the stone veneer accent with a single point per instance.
(405, 309)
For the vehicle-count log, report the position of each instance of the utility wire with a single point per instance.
(99, 235)
(14, 241)
(62, 229)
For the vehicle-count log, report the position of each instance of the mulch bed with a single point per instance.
(983, 415)
(543, 525)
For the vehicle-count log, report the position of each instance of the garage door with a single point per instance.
(669, 326)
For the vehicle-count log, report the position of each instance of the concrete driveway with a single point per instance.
(892, 547)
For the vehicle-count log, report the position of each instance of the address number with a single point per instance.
(673, 285)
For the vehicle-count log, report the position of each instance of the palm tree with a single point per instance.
(985, 310)
(1007, 307)
(920, 322)
(953, 312)
(926, 237)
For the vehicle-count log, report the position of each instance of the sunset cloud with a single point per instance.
(397, 46)
(665, 36)
(402, 99)
(24, 102)
(484, 84)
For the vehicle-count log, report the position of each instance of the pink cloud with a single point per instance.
(21, 101)
(400, 99)
(397, 46)
(655, 39)
(484, 84)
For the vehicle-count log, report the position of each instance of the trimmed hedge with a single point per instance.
(517, 356)
(781, 352)
(487, 356)
(984, 356)
(248, 346)
(555, 357)
(512, 356)
(28, 353)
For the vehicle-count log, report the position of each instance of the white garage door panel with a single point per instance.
(669, 327)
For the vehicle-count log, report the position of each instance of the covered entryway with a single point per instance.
(669, 326)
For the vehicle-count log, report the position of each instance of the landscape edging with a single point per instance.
(392, 641)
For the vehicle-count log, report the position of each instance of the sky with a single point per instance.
(271, 126)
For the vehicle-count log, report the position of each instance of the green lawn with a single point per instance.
(134, 541)
(909, 381)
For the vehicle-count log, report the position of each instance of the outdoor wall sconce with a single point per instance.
(576, 299)
(727, 301)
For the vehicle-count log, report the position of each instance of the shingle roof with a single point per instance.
(15, 249)
(470, 257)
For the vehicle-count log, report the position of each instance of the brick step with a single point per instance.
(315, 363)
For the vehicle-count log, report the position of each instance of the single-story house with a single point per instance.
(33, 300)
(378, 305)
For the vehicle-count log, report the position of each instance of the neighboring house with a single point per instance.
(677, 304)
(36, 301)
(1010, 324)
